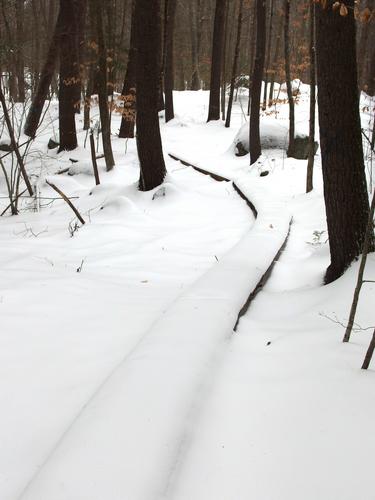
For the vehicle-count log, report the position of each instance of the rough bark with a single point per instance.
(345, 190)
(147, 26)
(69, 75)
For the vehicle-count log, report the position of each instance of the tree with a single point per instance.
(69, 75)
(129, 92)
(148, 36)
(290, 151)
(45, 80)
(97, 13)
(256, 81)
(170, 14)
(310, 161)
(345, 190)
(217, 60)
(235, 65)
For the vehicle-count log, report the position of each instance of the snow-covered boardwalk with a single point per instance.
(131, 436)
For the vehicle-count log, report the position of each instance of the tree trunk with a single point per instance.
(20, 55)
(290, 151)
(148, 25)
(256, 84)
(216, 61)
(370, 352)
(69, 76)
(194, 11)
(345, 191)
(129, 89)
(45, 80)
(169, 59)
(268, 58)
(310, 162)
(235, 65)
(102, 86)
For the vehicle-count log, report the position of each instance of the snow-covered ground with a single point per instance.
(102, 398)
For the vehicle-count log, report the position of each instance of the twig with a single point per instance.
(10, 204)
(66, 199)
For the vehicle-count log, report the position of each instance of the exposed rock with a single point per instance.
(52, 144)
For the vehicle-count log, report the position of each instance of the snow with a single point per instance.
(120, 374)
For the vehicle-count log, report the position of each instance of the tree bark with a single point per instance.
(345, 190)
(216, 61)
(235, 65)
(310, 161)
(69, 75)
(290, 151)
(169, 59)
(148, 26)
(97, 12)
(129, 93)
(256, 84)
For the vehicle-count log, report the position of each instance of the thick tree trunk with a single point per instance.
(69, 76)
(345, 191)
(129, 89)
(216, 61)
(102, 86)
(147, 25)
(235, 65)
(256, 84)
(290, 151)
(169, 59)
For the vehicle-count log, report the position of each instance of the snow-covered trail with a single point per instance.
(64, 332)
(290, 413)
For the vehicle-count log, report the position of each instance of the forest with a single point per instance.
(187, 207)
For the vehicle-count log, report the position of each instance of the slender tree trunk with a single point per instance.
(235, 65)
(150, 152)
(20, 6)
(370, 352)
(129, 89)
(224, 65)
(256, 85)
(290, 151)
(345, 190)
(310, 162)
(268, 57)
(252, 51)
(275, 62)
(216, 61)
(102, 86)
(45, 80)
(169, 59)
(194, 14)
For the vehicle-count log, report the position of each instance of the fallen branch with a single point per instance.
(66, 199)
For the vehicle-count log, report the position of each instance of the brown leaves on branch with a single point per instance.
(364, 16)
